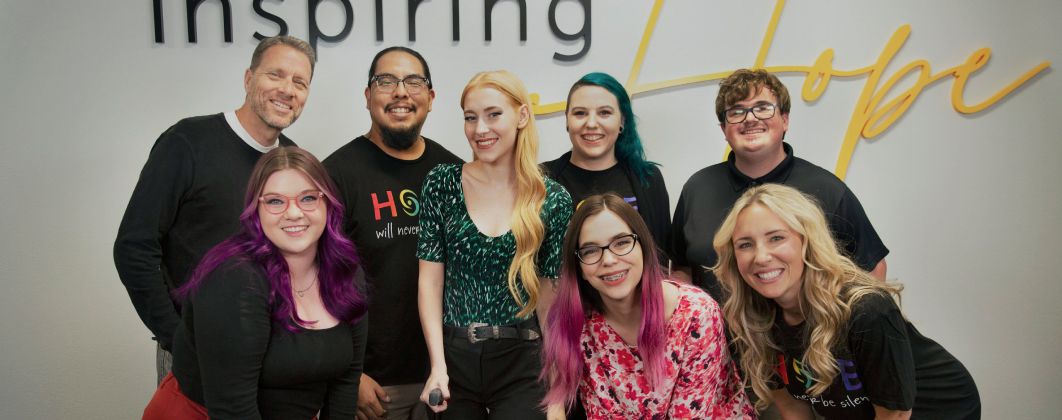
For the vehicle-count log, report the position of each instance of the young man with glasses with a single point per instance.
(379, 178)
(190, 193)
(753, 111)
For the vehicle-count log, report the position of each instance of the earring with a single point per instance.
(621, 128)
(566, 129)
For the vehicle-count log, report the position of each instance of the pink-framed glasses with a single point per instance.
(278, 203)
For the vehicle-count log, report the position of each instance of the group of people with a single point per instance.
(394, 280)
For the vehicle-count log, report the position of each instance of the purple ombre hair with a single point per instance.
(343, 287)
(562, 357)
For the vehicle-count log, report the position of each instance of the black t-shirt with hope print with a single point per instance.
(884, 361)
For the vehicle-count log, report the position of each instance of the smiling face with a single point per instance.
(277, 89)
(756, 140)
(769, 255)
(594, 123)
(492, 123)
(398, 116)
(294, 232)
(616, 278)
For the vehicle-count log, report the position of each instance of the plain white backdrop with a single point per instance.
(968, 204)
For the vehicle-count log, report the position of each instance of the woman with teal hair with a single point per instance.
(607, 153)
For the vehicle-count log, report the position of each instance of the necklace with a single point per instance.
(307, 287)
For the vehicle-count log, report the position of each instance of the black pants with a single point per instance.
(496, 375)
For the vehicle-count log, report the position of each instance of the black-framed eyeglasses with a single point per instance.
(737, 114)
(387, 83)
(277, 203)
(591, 254)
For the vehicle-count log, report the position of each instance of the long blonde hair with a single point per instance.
(831, 285)
(527, 227)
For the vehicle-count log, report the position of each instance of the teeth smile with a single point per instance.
(757, 131)
(399, 110)
(770, 274)
(281, 105)
(614, 277)
(593, 137)
(295, 228)
(485, 143)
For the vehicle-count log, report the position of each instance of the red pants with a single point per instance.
(169, 403)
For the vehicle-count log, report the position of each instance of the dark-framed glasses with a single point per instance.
(591, 254)
(737, 114)
(386, 83)
(277, 203)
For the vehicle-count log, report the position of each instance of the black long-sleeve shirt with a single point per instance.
(229, 356)
(187, 200)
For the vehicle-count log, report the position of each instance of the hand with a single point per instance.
(440, 380)
(555, 412)
(369, 395)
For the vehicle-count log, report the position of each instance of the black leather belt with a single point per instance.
(477, 331)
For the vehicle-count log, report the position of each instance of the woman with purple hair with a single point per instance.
(630, 342)
(270, 319)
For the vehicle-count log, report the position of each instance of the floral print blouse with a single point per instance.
(701, 380)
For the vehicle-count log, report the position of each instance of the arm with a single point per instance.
(881, 413)
(555, 412)
(232, 328)
(879, 271)
(369, 396)
(342, 401)
(790, 408)
(429, 301)
(883, 361)
(151, 212)
(682, 273)
(708, 385)
(852, 230)
(547, 292)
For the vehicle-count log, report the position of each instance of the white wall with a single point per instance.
(968, 204)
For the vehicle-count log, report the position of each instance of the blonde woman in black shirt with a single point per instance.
(846, 350)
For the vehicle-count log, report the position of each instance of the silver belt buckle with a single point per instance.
(472, 332)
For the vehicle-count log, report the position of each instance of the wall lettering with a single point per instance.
(315, 34)
(870, 118)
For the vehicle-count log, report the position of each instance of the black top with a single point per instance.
(651, 201)
(885, 361)
(710, 193)
(381, 209)
(231, 358)
(188, 199)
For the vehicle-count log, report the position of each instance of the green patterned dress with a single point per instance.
(476, 287)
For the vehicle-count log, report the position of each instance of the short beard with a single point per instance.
(400, 138)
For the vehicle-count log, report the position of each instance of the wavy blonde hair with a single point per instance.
(527, 226)
(830, 285)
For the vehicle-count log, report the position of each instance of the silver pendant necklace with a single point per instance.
(300, 292)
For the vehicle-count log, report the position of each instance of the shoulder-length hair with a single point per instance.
(342, 280)
(527, 225)
(831, 285)
(629, 149)
(562, 360)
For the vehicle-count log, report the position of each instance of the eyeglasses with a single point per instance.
(277, 203)
(737, 114)
(414, 84)
(591, 254)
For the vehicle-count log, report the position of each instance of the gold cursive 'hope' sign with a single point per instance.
(870, 117)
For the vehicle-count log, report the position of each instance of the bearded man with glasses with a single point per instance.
(753, 111)
(379, 178)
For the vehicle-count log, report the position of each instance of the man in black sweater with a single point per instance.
(379, 177)
(753, 111)
(191, 191)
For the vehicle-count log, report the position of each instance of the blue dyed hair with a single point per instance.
(629, 148)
